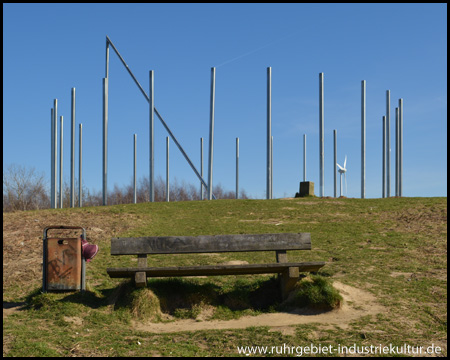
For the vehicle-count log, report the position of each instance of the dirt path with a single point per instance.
(356, 303)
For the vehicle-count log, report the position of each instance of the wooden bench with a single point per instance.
(280, 243)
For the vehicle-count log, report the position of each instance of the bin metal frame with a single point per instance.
(45, 257)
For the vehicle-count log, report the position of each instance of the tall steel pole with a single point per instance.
(61, 163)
(167, 168)
(52, 141)
(321, 137)
(269, 133)
(396, 151)
(388, 143)
(335, 162)
(400, 158)
(211, 132)
(105, 126)
(134, 170)
(105, 141)
(363, 139)
(304, 157)
(201, 168)
(72, 152)
(80, 159)
(384, 159)
(271, 167)
(152, 135)
(237, 168)
(55, 152)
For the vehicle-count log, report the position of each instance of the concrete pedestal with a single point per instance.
(306, 189)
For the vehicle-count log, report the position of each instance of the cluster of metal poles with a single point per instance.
(386, 147)
(56, 201)
(386, 163)
(386, 173)
(152, 112)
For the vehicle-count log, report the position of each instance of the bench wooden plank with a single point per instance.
(210, 243)
(214, 269)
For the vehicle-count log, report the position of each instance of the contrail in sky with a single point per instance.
(253, 51)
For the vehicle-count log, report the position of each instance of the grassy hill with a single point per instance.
(394, 248)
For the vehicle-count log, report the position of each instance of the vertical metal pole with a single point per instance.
(201, 168)
(107, 59)
(152, 136)
(269, 132)
(388, 143)
(72, 152)
(52, 140)
(304, 157)
(105, 130)
(363, 139)
(167, 169)
(383, 192)
(400, 158)
(396, 151)
(237, 168)
(80, 180)
(55, 151)
(335, 162)
(211, 132)
(321, 136)
(61, 163)
(134, 170)
(271, 167)
(105, 141)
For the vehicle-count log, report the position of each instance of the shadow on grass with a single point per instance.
(188, 297)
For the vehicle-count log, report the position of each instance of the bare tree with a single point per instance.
(24, 189)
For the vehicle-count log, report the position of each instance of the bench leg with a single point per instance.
(287, 280)
(140, 278)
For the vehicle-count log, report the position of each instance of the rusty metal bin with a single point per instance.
(63, 263)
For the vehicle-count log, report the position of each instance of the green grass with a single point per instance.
(318, 293)
(394, 248)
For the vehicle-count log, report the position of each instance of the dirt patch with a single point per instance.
(73, 320)
(11, 308)
(356, 303)
(430, 220)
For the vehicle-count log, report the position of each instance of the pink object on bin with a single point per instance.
(88, 250)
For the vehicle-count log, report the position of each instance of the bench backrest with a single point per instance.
(210, 243)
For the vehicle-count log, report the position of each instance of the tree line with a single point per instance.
(26, 189)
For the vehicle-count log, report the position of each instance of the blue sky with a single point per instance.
(50, 48)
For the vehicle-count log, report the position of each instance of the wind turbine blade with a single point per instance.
(339, 166)
(345, 161)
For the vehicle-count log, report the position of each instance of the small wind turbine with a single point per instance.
(343, 170)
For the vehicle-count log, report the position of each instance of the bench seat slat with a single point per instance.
(213, 269)
(210, 243)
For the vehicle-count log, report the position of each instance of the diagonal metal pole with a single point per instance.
(159, 116)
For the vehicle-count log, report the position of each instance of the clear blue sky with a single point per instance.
(50, 48)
